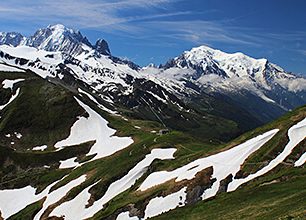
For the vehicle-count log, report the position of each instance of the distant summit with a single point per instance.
(257, 86)
(56, 38)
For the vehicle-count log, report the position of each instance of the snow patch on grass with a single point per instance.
(59, 193)
(14, 200)
(126, 216)
(113, 190)
(11, 99)
(8, 84)
(69, 163)
(300, 161)
(18, 135)
(71, 209)
(41, 148)
(94, 128)
(296, 134)
(224, 163)
(159, 205)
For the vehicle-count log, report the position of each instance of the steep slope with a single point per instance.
(84, 134)
(75, 181)
(124, 88)
(256, 89)
(274, 193)
(271, 157)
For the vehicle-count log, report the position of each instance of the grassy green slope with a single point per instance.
(280, 194)
(44, 113)
(189, 150)
(280, 200)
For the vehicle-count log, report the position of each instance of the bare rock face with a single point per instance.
(224, 183)
(198, 185)
(102, 47)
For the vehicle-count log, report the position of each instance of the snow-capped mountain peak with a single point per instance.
(59, 38)
(57, 48)
(59, 28)
(56, 38)
(11, 38)
(204, 61)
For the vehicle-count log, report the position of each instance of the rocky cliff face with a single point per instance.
(102, 47)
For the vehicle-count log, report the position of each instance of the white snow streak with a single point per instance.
(41, 148)
(159, 205)
(59, 193)
(300, 161)
(296, 134)
(14, 200)
(224, 163)
(114, 189)
(11, 99)
(72, 208)
(94, 128)
(98, 104)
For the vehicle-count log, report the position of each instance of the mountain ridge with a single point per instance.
(55, 38)
(200, 72)
(90, 136)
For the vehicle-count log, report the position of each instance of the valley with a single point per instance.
(87, 135)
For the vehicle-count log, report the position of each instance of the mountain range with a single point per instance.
(85, 134)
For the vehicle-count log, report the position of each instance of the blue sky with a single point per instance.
(146, 31)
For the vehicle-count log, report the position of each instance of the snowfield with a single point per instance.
(14, 200)
(7, 68)
(224, 163)
(31, 53)
(231, 72)
(113, 190)
(94, 128)
(126, 216)
(71, 209)
(8, 84)
(57, 194)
